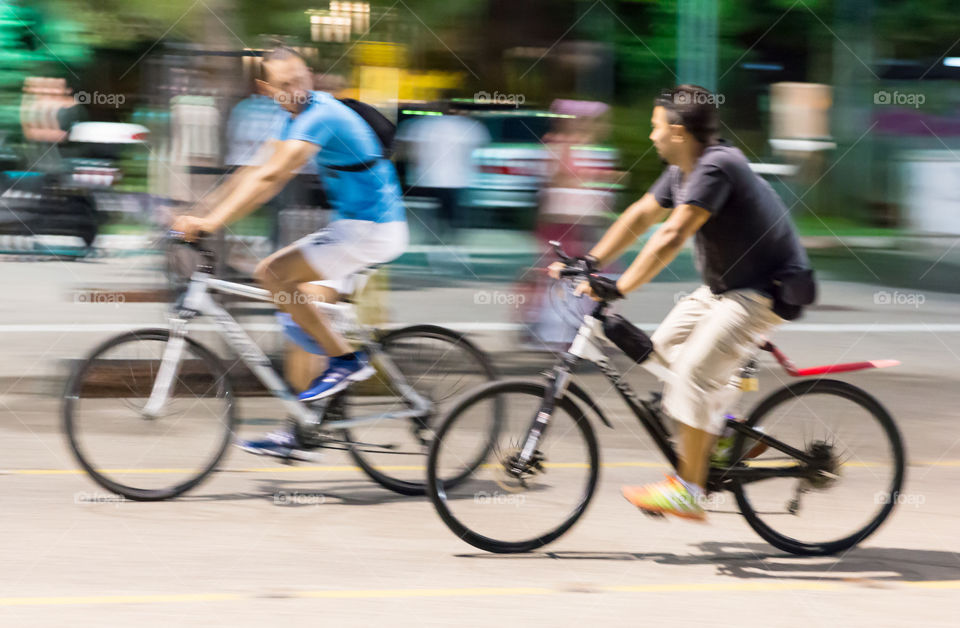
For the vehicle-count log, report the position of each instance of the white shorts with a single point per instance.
(345, 247)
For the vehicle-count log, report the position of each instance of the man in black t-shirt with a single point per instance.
(748, 238)
(749, 256)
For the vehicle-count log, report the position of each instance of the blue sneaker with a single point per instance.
(340, 373)
(282, 444)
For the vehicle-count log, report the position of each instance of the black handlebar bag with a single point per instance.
(628, 337)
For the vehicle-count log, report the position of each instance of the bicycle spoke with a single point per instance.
(147, 458)
(438, 366)
(510, 502)
(857, 464)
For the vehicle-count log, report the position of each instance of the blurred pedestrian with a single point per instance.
(254, 123)
(440, 150)
(574, 205)
(47, 111)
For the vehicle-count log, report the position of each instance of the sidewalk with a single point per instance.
(913, 261)
(43, 323)
(926, 262)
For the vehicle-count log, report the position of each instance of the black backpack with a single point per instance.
(380, 124)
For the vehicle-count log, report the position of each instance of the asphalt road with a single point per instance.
(320, 544)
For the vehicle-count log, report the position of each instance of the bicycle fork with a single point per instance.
(582, 347)
(559, 378)
(186, 309)
(169, 365)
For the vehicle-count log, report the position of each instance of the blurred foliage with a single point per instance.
(29, 45)
(915, 30)
(645, 45)
(60, 37)
(645, 40)
(120, 23)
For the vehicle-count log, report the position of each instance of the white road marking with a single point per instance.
(817, 328)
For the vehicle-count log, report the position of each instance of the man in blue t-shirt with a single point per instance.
(369, 225)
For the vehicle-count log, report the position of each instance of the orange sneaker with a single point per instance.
(670, 497)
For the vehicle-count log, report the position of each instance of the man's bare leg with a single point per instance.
(287, 275)
(282, 274)
(680, 497)
(694, 450)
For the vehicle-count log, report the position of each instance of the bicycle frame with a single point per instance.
(588, 345)
(197, 301)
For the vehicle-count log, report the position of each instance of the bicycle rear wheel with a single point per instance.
(500, 508)
(440, 365)
(857, 475)
(129, 453)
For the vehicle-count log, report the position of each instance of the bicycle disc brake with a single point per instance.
(514, 475)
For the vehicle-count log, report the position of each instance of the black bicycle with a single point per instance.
(815, 468)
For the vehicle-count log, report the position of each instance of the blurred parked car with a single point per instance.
(34, 204)
(99, 157)
(72, 198)
(513, 168)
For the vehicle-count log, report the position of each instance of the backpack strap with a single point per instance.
(360, 167)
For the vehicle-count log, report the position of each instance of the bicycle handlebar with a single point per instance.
(578, 267)
(574, 266)
(558, 249)
(206, 254)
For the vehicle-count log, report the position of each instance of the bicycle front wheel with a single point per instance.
(852, 484)
(505, 507)
(138, 456)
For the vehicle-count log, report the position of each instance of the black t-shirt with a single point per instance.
(749, 238)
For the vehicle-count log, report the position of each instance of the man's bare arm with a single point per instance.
(214, 197)
(254, 188)
(663, 246)
(209, 201)
(263, 183)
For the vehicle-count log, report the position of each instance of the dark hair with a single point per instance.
(694, 107)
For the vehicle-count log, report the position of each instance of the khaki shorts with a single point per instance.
(705, 339)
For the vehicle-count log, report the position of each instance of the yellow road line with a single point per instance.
(353, 468)
(301, 469)
(344, 594)
(408, 593)
(934, 584)
(76, 600)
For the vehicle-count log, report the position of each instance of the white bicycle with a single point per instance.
(149, 414)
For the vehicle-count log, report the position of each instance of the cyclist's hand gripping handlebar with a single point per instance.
(602, 288)
(569, 266)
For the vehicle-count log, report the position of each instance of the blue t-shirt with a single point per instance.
(345, 139)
